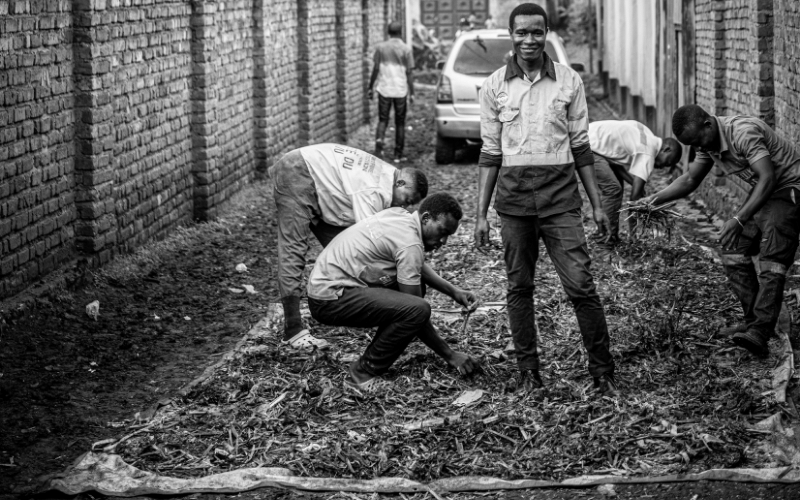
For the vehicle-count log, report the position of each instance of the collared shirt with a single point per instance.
(743, 141)
(381, 250)
(539, 128)
(350, 184)
(626, 142)
(393, 58)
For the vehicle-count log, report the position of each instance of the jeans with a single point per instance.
(772, 234)
(565, 242)
(298, 218)
(385, 105)
(400, 319)
(611, 191)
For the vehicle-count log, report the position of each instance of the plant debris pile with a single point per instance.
(689, 397)
(651, 218)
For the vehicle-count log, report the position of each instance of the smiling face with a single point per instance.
(528, 37)
(436, 231)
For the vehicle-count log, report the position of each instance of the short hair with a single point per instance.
(395, 28)
(686, 116)
(439, 204)
(419, 179)
(677, 150)
(527, 9)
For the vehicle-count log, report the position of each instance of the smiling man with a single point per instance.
(321, 190)
(767, 225)
(534, 122)
(374, 274)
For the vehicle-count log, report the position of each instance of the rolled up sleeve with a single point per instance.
(491, 127)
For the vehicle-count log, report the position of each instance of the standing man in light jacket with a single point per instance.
(392, 67)
(534, 122)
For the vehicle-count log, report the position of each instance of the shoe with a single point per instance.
(401, 159)
(753, 342)
(606, 385)
(304, 340)
(527, 380)
(733, 329)
(371, 386)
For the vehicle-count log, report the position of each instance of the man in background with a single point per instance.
(625, 151)
(392, 67)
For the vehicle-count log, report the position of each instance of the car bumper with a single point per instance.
(454, 125)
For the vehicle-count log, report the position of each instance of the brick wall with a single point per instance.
(37, 156)
(787, 68)
(122, 119)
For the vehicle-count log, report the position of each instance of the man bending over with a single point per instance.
(767, 225)
(321, 190)
(627, 151)
(374, 274)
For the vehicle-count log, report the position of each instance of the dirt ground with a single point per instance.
(67, 380)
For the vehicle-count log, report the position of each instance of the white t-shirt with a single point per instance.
(351, 184)
(627, 143)
(393, 59)
(380, 250)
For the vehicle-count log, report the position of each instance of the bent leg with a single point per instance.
(400, 317)
(521, 250)
(565, 241)
(741, 272)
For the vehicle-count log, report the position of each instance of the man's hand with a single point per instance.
(481, 232)
(463, 363)
(370, 94)
(411, 99)
(729, 234)
(467, 299)
(601, 219)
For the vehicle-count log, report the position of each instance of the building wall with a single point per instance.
(37, 155)
(123, 119)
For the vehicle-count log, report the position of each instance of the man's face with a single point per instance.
(436, 231)
(404, 194)
(663, 160)
(528, 37)
(703, 137)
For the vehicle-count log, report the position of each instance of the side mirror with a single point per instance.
(439, 64)
(578, 66)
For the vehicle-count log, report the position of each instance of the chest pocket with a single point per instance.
(512, 129)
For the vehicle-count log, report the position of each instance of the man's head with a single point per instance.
(395, 29)
(527, 25)
(696, 128)
(439, 215)
(670, 153)
(410, 186)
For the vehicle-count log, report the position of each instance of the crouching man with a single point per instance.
(321, 190)
(373, 275)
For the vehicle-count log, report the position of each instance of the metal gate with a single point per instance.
(444, 15)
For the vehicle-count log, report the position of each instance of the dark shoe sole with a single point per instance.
(749, 341)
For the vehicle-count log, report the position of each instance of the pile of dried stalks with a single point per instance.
(689, 398)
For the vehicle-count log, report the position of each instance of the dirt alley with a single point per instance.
(67, 380)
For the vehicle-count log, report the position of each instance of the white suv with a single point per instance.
(475, 55)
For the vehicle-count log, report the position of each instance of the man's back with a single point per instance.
(393, 58)
(626, 142)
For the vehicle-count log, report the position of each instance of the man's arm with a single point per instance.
(686, 183)
(637, 191)
(764, 188)
(376, 63)
(463, 297)
(491, 160)
(410, 75)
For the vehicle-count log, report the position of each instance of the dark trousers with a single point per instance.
(773, 236)
(612, 190)
(385, 105)
(400, 319)
(565, 242)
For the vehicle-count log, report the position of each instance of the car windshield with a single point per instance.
(482, 56)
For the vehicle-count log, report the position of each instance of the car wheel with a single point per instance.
(445, 150)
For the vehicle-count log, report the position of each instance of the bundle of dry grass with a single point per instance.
(651, 218)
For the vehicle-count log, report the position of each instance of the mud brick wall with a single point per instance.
(122, 119)
(132, 86)
(787, 68)
(277, 120)
(37, 211)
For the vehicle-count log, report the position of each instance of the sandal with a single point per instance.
(304, 340)
(371, 386)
